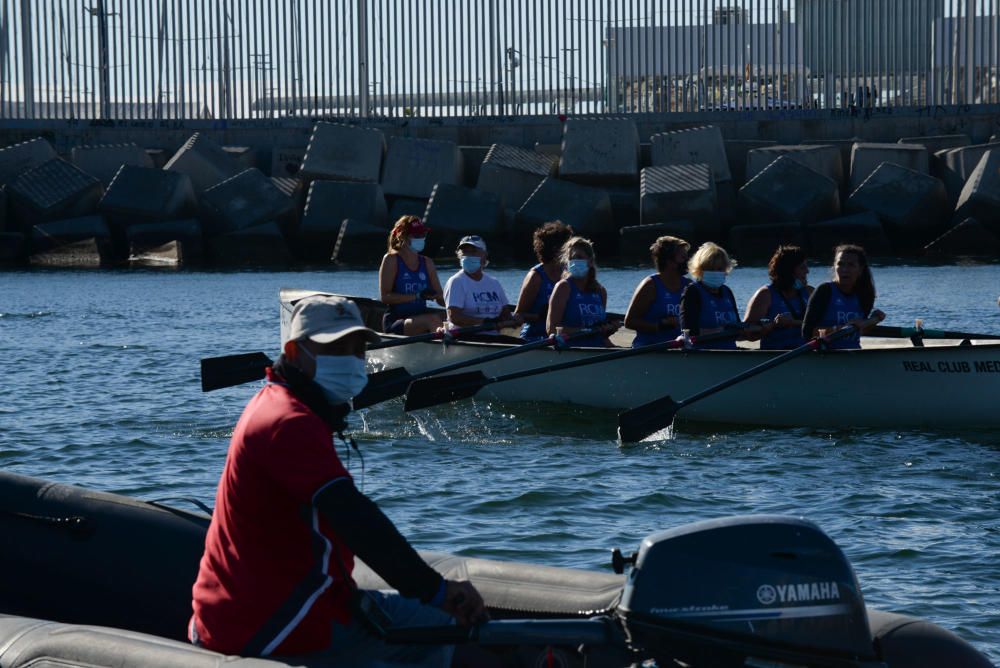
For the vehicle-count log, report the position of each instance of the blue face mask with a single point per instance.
(713, 279)
(798, 285)
(417, 244)
(578, 268)
(471, 264)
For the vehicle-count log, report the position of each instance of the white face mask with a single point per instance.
(342, 377)
(417, 245)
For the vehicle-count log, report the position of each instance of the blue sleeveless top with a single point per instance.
(584, 309)
(410, 282)
(717, 311)
(788, 337)
(841, 310)
(532, 331)
(666, 304)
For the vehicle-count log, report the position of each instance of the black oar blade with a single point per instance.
(638, 423)
(429, 392)
(220, 372)
(382, 386)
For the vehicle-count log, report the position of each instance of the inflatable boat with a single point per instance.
(97, 579)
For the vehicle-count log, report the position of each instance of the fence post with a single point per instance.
(27, 60)
(363, 58)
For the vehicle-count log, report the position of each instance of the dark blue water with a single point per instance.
(101, 389)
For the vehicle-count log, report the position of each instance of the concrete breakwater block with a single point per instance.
(13, 248)
(970, 238)
(865, 159)
(19, 158)
(552, 150)
(245, 200)
(787, 192)
(343, 153)
(328, 204)
(185, 233)
(293, 188)
(736, 156)
(204, 162)
(259, 246)
(677, 192)
(955, 166)
(286, 161)
(845, 146)
(158, 156)
(414, 166)
(626, 205)
(822, 159)
(910, 204)
(47, 236)
(980, 198)
(936, 143)
(3, 209)
(636, 239)
(513, 173)
(601, 151)
(245, 157)
(103, 161)
(142, 195)
(53, 190)
(358, 242)
(587, 210)
(170, 255)
(84, 254)
(472, 162)
(406, 206)
(456, 211)
(760, 241)
(695, 146)
(863, 229)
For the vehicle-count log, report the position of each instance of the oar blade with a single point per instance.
(231, 370)
(638, 423)
(383, 386)
(428, 392)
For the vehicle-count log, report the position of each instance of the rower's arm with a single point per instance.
(691, 310)
(529, 290)
(815, 309)
(642, 301)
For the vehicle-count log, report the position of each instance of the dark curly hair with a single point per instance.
(781, 268)
(664, 248)
(549, 239)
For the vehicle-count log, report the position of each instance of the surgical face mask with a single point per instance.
(579, 268)
(713, 279)
(417, 245)
(342, 377)
(799, 284)
(471, 263)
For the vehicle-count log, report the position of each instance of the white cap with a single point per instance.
(473, 240)
(327, 319)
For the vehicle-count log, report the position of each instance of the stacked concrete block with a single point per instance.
(286, 161)
(13, 248)
(970, 238)
(551, 150)
(141, 195)
(83, 254)
(736, 156)
(760, 241)
(626, 204)
(47, 236)
(244, 156)
(53, 190)
(343, 153)
(680, 192)
(695, 146)
(359, 243)
(258, 246)
(414, 166)
(328, 204)
(245, 200)
(862, 229)
(3, 209)
(822, 159)
(472, 162)
(936, 143)
(636, 239)
(293, 188)
(910, 204)
(513, 173)
(103, 161)
(787, 192)
(980, 198)
(20, 158)
(587, 210)
(170, 255)
(604, 151)
(865, 159)
(406, 206)
(955, 166)
(204, 162)
(158, 157)
(183, 234)
(845, 146)
(455, 211)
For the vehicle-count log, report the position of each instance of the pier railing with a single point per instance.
(266, 59)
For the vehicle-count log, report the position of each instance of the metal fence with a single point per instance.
(257, 59)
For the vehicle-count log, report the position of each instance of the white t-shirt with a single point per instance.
(481, 299)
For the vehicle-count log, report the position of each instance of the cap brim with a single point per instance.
(371, 336)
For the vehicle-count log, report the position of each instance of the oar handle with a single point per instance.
(444, 334)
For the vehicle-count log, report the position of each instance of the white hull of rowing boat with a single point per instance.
(900, 387)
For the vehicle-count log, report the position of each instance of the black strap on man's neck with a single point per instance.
(311, 394)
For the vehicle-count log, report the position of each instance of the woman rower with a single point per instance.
(578, 300)
(533, 302)
(471, 296)
(708, 305)
(783, 302)
(655, 310)
(407, 280)
(846, 300)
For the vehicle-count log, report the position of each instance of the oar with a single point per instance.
(435, 336)
(443, 389)
(393, 383)
(909, 332)
(638, 423)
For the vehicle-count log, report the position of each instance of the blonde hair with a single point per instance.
(587, 246)
(401, 232)
(708, 256)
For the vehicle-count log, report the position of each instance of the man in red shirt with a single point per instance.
(275, 578)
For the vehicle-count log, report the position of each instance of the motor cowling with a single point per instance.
(760, 585)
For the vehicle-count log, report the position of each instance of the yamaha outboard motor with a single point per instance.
(725, 592)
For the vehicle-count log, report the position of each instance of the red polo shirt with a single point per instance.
(274, 576)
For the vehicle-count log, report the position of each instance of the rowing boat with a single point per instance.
(887, 384)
